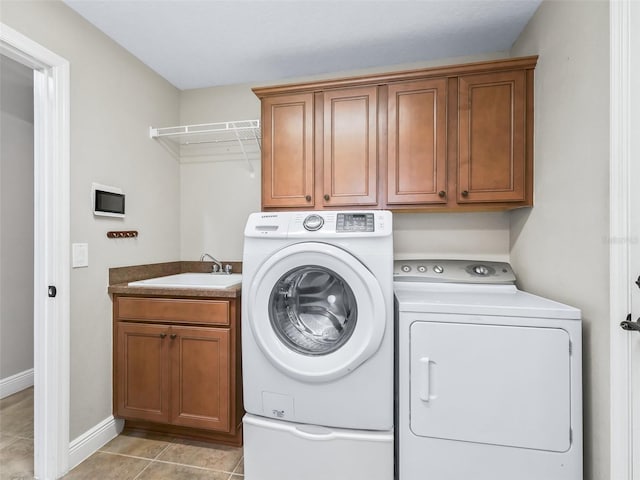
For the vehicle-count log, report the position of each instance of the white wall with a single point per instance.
(16, 218)
(114, 100)
(559, 248)
(217, 193)
(217, 196)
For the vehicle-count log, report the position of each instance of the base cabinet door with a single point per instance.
(201, 377)
(492, 137)
(142, 372)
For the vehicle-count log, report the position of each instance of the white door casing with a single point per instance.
(624, 239)
(634, 221)
(370, 324)
(51, 250)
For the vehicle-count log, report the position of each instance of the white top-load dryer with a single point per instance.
(489, 377)
(317, 345)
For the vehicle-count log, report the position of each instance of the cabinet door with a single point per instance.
(287, 151)
(417, 151)
(350, 164)
(492, 137)
(142, 372)
(201, 377)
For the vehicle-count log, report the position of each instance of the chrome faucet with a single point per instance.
(217, 266)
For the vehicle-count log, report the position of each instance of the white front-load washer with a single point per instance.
(317, 344)
(489, 377)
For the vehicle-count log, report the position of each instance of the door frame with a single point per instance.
(51, 249)
(620, 241)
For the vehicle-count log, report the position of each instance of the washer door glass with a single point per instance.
(312, 310)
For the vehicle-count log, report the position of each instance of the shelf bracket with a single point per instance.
(252, 172)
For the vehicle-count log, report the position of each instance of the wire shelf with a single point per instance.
(238, 131)
(192, 143)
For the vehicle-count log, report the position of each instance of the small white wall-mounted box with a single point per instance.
(79, 255)
(107, 201)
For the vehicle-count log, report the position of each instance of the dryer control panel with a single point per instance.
(453, 271)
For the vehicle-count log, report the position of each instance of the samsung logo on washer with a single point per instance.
(107, 201)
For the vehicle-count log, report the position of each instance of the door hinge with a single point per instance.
(52, 291)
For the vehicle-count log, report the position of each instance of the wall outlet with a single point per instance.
(79, 255)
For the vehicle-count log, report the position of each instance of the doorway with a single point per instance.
(16, 258)
(50, 250)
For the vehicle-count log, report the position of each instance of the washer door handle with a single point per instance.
(425, 380)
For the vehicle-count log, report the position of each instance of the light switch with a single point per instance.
(80, 255)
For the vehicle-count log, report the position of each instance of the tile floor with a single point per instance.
(130, 456)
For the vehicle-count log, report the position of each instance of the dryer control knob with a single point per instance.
(438, 269)
(481, 270)
(313, 223)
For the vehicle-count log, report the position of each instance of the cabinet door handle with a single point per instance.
(308, 198)
(465, 193)
(173, 336)
(162, 335)
(442, 193)
(326, 197)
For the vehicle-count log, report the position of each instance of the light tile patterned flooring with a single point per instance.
(130, 456)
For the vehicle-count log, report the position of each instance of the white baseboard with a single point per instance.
(16, 383)
(93, 439)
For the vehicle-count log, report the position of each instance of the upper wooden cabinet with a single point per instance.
(417, 142)
(304, 168)
(492, 137)
(454, 138)
(350, 154)
(287, 151)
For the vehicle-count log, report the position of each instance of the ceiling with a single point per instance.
(203, 43)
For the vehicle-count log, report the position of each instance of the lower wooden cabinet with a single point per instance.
(177, 371)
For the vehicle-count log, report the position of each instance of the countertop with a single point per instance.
(120, 277)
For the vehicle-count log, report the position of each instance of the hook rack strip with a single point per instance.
(123, 234)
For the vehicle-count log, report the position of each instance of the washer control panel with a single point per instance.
(453, 271)
(355, 222)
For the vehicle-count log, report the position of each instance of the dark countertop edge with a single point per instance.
(125, 289)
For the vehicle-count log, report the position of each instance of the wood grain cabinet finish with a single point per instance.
(350, 153)
(417, 142)
(142, 366)
(179, 371)
(200, 378)
(451, 138)
(492, 137)
(288, 151)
